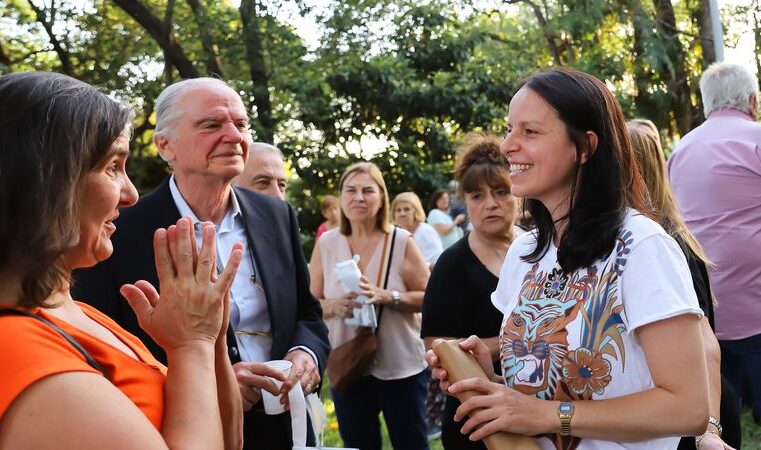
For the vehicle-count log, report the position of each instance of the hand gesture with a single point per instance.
(343, 306)
(252, 378)
(190, 307)
(472, 344)
(499, 408)
(459, 219)
(712, 441)
(375, 295)
(303, 371)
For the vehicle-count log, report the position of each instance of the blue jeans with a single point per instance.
(402, 403)
(741, 366)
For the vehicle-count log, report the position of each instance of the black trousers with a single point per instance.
(264, 432)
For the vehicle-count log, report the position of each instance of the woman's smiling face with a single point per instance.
(542, 155)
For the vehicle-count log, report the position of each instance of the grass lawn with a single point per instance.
(751, 432)
(333, 439)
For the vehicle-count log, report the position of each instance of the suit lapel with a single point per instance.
(260, 243)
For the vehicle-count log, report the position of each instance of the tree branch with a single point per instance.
(255, 53)
(4, 58)
(168, 63)
(63, 54)
(549, 35)
(213, 63)
(161, 34)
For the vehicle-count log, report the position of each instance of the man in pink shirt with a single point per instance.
(715, 172)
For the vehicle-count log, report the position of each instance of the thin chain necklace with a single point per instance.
(356, 255)
(501, 256)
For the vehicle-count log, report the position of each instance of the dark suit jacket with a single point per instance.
(273, 231)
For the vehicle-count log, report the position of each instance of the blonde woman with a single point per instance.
(395, 383)
(408, 214)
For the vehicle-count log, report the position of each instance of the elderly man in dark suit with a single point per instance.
(202, 132)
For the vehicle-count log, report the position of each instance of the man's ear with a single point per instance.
(753, 106)
(591, 147)
(163, 144)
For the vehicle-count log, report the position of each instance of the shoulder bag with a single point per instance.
(349, 361)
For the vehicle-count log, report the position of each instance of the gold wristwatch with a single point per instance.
(565, 412)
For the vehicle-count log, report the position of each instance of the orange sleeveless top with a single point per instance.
(31, 350)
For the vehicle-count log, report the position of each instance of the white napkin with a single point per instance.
(349, 274)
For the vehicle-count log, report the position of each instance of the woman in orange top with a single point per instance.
(64, 149)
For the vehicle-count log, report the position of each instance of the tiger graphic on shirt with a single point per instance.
(534, 347)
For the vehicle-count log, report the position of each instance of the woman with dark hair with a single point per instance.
(439, 219)
(600, 344)
(467, 273)
(72, 378)
(723, 406)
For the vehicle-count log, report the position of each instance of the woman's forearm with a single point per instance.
(444, 229)
(645, 415)
(713, 366)
(229, 399)
(191, 414)
(410, 301)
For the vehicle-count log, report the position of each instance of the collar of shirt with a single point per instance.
(228, 221)
(729, 112)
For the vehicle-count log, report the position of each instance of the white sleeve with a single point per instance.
(505, 296)
(429, 243)
(656, 283)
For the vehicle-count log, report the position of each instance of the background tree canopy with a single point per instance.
(397, 82)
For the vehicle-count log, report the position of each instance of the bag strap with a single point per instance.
(385, 269)
(77, 346)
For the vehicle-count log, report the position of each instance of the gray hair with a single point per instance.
(725, 85)
(257, 147)
(166, 112)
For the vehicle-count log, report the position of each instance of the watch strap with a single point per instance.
(565, 413)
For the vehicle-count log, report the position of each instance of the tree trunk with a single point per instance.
(644, 104)
(163, 36)
(168, 63)
(4, 58)
(253, 41)
(213, 63)
(706, 34)
(679, 88)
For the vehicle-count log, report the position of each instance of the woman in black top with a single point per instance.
(457, 301)
(723, 404)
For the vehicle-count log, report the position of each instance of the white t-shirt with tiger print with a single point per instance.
(570, 337)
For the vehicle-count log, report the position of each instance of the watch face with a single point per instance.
(565, 408)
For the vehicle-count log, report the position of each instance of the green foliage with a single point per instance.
(397, 82)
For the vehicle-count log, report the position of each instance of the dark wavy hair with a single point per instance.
(435, 196)
(53, 130)
(479, 161)
(603, 187)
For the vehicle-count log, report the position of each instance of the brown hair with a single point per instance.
(381, 220)
(328, 201)
(435, 196)
(412, 199)
(479, 161)
(53, 131)
(646, 143)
